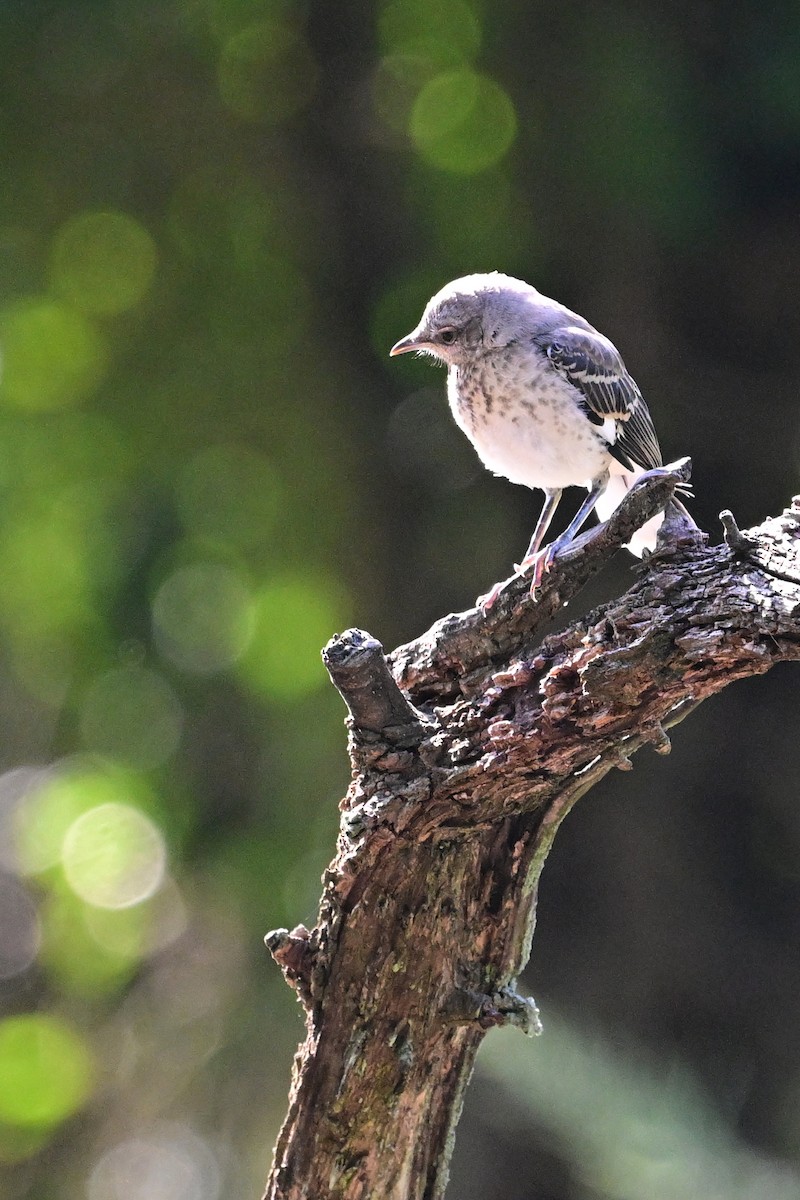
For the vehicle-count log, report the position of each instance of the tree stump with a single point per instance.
(468, 747)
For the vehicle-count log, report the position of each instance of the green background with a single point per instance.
(216, 216)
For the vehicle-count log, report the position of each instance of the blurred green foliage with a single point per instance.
(215, 218)
(46, 1072)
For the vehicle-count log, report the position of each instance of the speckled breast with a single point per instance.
(526, 422)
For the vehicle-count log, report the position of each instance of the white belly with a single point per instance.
(532, 432)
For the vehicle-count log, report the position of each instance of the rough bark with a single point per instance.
(468, 747)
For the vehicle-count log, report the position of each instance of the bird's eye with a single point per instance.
(448, 336)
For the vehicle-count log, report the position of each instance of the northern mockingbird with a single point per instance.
(544, 398)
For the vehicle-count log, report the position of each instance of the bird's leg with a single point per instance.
(551, 499)
(542, 560)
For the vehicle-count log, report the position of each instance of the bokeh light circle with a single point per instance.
(20, 932)
(203, 617)
(103, 262)
(395, 86)
(132, 715)
(229, 493)
(295, 614)
(171, 1163)
(139, 930)
(52, 356)
(45, 810)
(114, 856)
(446, 33)
(463, 122)
(45, 1070)
(18, 787)
(266, 72)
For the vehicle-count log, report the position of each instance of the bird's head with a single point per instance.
(471, 317)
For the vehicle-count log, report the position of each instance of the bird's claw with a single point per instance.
(486, 602)
(542, 561)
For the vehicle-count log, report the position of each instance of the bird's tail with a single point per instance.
(612, 497)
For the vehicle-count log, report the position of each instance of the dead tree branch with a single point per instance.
(468, 747)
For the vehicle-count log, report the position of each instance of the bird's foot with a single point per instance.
(542, 562)
(486, 602)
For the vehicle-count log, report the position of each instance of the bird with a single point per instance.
(545, 399)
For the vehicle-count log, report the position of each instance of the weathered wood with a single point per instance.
(460, 781)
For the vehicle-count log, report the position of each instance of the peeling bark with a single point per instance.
(468, 747)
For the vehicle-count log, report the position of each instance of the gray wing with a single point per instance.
(593, 365)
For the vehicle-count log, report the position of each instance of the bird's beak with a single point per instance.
(411, 342)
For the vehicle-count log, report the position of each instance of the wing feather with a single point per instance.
(594, 366)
